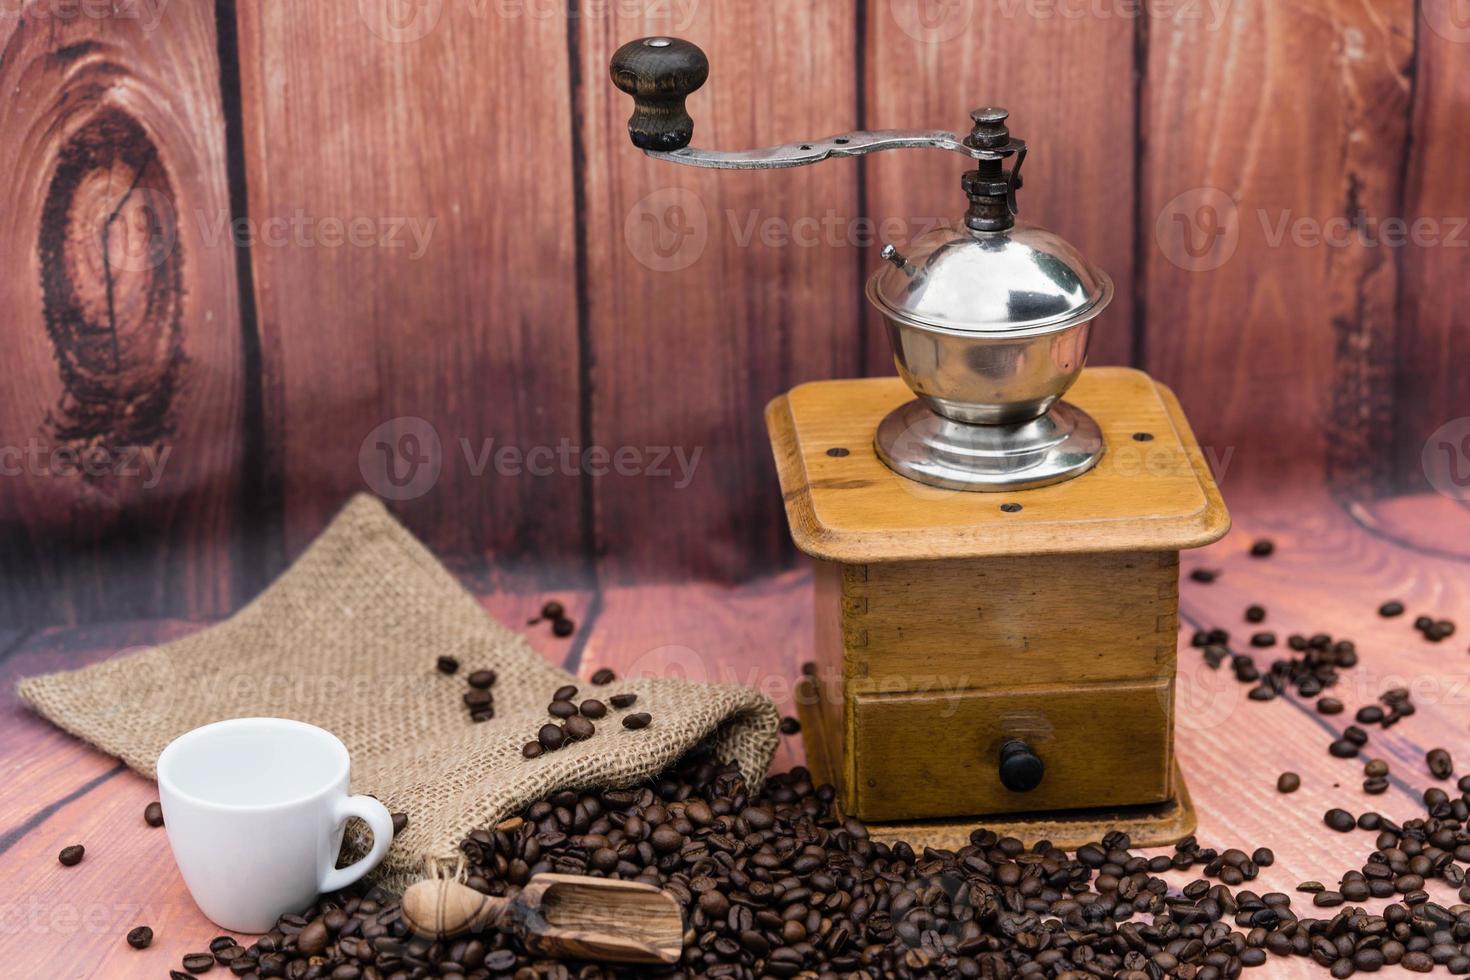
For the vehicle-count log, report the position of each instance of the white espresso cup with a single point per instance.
(255, 809)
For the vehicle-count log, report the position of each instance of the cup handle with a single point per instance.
(379, 820)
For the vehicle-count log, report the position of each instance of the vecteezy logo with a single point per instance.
(400, 21)
(402, 458)
(1450, 19)
(1446, 459)
(932, 21)
(1199, 229)
(138, 228)
(667, 230)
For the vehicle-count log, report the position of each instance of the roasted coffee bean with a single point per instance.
(1440, 764)
(637, 720)
(621, 701)
(140, 938)
(446, 665)
(1288, 782)
(71, 854)
(561, 709)
(578, 728)
(604, 676)
(1369, 714)
(400, 821)
(1263, 856)
(1255, 614)
(482, 679)
(221, 942)
(313, 938)
(1375, 768)
(551, 737)
(481, 714)
(1343, 749)
(477, 699)
(1329, 706)
(1375, 785)
(593, 708)
(1391, 608)
(1204, 575)
(197, 963)
(531, 750)
(153, 814)
(1263, 639)
(790, 726)
(1262, 548)
(563, 627)
(553, 610)
(1339, 820)
(565, 693)
(1355, 735)
(181, 975)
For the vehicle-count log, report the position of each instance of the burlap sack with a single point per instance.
(347, 639)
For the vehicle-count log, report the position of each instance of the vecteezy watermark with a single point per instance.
(1200, 229)
(1446, 459)
(301, 229)
(406, 21)
(670, 229)
(1450, 19)
(404, 457)
(932, 21)
(38, 459)
(147, 13)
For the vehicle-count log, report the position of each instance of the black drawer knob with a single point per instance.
(1020, 768)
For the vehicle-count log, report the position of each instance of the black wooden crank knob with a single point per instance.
(1020, 768)
(659, 72)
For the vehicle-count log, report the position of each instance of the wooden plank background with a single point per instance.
(312, 249)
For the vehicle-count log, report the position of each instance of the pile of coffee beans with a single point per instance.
(775, 883)
(577, 719)
(1316, 667)
(556, 614)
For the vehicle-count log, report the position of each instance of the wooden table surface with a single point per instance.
(1333, 566)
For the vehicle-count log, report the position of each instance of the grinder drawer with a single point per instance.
(916, 756)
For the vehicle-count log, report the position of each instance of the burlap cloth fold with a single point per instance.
(347, 639)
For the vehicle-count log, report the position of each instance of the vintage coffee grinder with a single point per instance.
(997, 570)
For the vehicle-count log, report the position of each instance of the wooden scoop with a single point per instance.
(562, 916)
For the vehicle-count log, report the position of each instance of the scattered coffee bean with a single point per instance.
(1440, 764)
(1391, 608)
(482, 679)
(578, 728)
(561, 709)
(1255, 614)
(71, 854)
(563, 627)
(1263, 857)
(140, 938)
(1369, 714)
(1375, 768)
(476, 699)
(1343, 749)
(565, 693)
(621, 701)
(447, 665)
(1375, 785)
(179, 975)
(553, 610)
(593, 708)
(1339, 820)
(153, 814)
(1355, 735)
(551, 737)
(1329, 706)
(481, 714)
(197, 963)
(400, 821)
(313, 937)
(603, 677)
(790, 726)
(221, 942)
(1288, 782)
(1204, 575)
(531, 750)
(637, 720)
(1262, 548)
(1263, 639)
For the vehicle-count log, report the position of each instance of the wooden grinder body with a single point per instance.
(949, 624)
